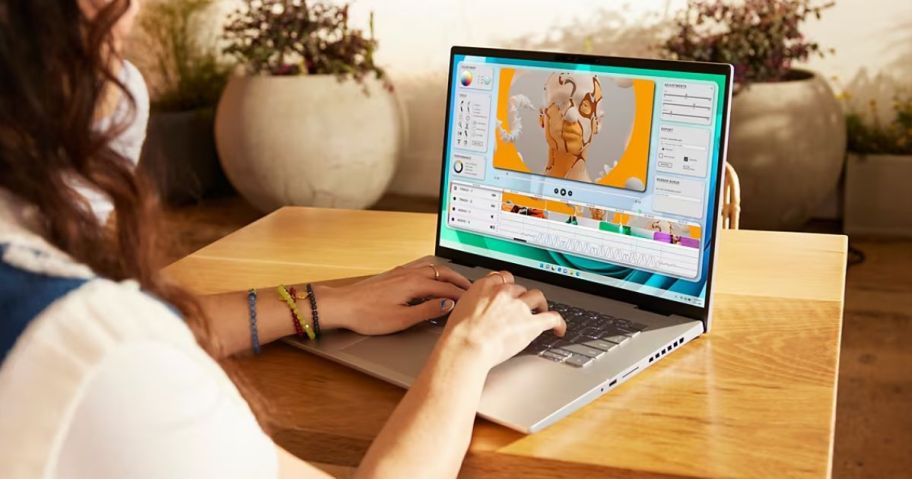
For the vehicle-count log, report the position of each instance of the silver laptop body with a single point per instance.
(620, 326)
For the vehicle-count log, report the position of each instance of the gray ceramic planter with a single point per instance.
(877, 197)
(787, 144)
(180, 156)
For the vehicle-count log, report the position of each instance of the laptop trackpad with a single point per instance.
(404, 353)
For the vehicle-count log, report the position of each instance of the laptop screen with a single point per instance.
(598, 172)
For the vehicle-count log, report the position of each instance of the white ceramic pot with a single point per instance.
(308, 140)
(787, 144)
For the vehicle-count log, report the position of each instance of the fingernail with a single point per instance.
(447, 304)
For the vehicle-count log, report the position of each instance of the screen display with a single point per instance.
(602, 173)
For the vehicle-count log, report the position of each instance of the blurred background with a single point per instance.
(871, 42)
(822, 142)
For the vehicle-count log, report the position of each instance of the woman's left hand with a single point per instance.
(383, 304)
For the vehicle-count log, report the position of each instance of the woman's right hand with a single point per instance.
(497, 318)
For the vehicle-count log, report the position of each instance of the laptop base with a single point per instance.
(559, 390)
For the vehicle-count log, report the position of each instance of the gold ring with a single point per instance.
(499, 274)
(436, 272)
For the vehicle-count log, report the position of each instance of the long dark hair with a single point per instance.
(56, 65)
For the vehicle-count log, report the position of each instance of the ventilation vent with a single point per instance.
(666, 349)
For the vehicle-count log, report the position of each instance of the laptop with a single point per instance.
(595, 179)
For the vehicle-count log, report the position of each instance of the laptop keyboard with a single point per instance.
(590, 335)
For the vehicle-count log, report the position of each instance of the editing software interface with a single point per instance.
(597, 172)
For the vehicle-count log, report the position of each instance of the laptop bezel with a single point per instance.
(641, 300)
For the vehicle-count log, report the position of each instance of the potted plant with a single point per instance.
(787, 136)
(878, 168)
(186, 80)
(312, 120)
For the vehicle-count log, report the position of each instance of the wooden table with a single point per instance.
(756, 397)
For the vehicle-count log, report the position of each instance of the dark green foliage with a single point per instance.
(894, 138)
(190, 76)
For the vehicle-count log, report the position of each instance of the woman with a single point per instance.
(107, 370)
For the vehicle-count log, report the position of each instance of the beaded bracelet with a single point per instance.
(254, 334)
(295, 320)
(313, 309)
(283, 293)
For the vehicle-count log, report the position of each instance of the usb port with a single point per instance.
(613, 382)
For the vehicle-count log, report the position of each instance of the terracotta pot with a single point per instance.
(787, 144)
(308, 140)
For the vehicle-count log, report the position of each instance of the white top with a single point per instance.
(107, 382)
(130, 142)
